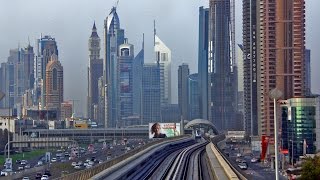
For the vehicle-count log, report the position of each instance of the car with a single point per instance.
(80, 163)
(27, 166)
(238, 160)
(23, 162)
(73, 163)
(47, 172)
(44, 177)
(18, 161)
(4, 172)
(254, 160)
(89, 166)
(40, 163)
(38, 175)
(77, 166)
(54, 160)
(21, 167)
(243, 166)
(85, 164)
(239, 155)
(91, 163)
(25, 178)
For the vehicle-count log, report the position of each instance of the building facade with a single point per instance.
(163, 57)
(125, 86)
(113, 37)
(95, 71)
(46, 47)
(203, 62)
(221, 65)
(183, 73)
(300, 126)
(281, 54)
(193, 97)
(151, 97)
(54, 83)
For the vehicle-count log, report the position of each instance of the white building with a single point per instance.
(163, 56)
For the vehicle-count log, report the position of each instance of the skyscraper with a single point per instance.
(203, 62)
(46, 47)
(151, 93)
(282, 54)
(183, 73)
(240, 76)
(163, 57)
(125, 86)
(95, 71)
(54, 83)
(193, 97)
(137, 81)
(113, 37)
(221, 64)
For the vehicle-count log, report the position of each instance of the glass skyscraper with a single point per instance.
(300, 126)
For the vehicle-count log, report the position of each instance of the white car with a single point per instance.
(243, 166)
(23, 162)
(73, 163)
(45, 177)
(54, 160)
(89, 166)
(77, 166)
(254, 160)
(25, 178)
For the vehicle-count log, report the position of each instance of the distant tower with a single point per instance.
(125, 60)
(54, 83)
(203, 62)
(95, 71)
(46, 47)
(183, 73)
(193, 97)
(221, 62)
(151, 93)
(137, 81)
(113, 37)
(163, 57)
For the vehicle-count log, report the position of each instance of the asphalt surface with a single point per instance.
(99, 154)
(257, 170)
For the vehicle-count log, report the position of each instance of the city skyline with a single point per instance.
(60, 23)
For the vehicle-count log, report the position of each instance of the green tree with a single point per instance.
(311, 168)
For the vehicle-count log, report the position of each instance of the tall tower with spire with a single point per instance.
(113, 37)
(94, 73)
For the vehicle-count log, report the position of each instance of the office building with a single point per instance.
(221, 65)
(203, 62)
(66, 110)
(45, 48)
(163, 57)
(193, 97)
(54, 83)
(95, 71)
(240, 77)
(113, 37)
(300, 126)
(137, 81)
(170, 113)
(151, 105)
(183, 73)
(281, 27)
(125, 86)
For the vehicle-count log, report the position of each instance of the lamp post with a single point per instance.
(275, 94)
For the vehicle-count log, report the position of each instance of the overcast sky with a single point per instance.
(70, 22)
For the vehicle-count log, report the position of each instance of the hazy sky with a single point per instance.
(70, 22)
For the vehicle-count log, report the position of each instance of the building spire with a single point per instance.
(142, 40)
(94, 30)
(154, 32)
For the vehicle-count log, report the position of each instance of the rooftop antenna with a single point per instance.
(142, 40)
(28, 40)
(117, 4)
(154, 32)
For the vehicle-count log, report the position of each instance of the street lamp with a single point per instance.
(275, 94)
